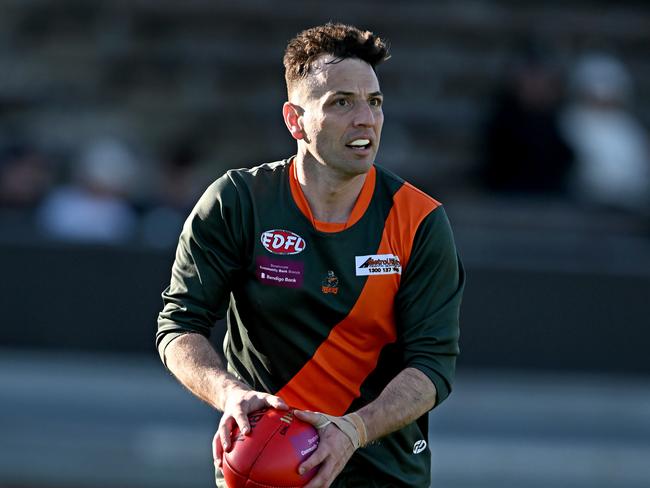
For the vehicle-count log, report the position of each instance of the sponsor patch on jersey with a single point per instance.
(377, 264)
(278, 241)
(276, 272)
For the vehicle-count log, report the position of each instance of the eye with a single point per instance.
(342, 102)
(376, 102)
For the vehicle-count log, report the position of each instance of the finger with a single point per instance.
(307, 416)
(318, 420)
(225, 433)
(242, 422)
(322, 479)
(217, 450)
(317, 482)
(276, 402)
(318, 457)
(326, 475)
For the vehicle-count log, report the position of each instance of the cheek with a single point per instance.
(317, 128)
(306, 127)
(313, 132)
(380, 119)
(379, 123)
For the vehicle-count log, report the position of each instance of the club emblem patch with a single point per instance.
(330, 284)
(377, 264)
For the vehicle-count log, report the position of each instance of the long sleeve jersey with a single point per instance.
(324, 315)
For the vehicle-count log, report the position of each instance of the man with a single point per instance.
(341, 282)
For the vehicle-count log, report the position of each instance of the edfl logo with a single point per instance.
(278, 241)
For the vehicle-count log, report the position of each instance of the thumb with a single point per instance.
(316, 419)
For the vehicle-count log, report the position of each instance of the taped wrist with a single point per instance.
(353, 426)
(360, 425)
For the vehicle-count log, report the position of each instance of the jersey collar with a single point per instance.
(360, 206)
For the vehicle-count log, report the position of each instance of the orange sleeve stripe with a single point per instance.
(412, 207)
(331, 380)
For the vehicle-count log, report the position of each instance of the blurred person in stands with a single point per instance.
(524, 150)
(25, 177)
(94, 206)
(177, 188)
(613, 155)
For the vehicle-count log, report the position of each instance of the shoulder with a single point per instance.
(238, 184)
(263, 172)
(408, 202)
(403, 192)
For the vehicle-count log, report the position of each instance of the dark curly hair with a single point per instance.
(338, 40)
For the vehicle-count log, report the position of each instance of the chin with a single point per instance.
(349, 166)
(358, 167)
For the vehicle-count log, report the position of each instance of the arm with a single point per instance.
(194, 362)
(426, 308)
(407, 397)
(211, 251)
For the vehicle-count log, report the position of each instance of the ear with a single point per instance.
(291, 114)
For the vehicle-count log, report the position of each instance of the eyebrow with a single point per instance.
(347, 93)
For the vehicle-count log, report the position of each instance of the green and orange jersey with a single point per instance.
(324, 315)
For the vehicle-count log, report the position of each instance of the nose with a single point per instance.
(364, 116)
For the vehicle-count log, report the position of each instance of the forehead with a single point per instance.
(330, 75)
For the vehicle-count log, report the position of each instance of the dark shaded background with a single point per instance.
(553, 376)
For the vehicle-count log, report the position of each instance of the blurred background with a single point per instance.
(529, 120)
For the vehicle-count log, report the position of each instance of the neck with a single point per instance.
(330, 194)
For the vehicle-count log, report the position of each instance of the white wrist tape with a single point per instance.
(351, 425)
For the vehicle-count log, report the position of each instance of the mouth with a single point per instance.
(359, 145)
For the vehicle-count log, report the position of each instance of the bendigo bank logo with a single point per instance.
(279, 241)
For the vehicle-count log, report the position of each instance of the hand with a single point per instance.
(239, 403)
(334, 451)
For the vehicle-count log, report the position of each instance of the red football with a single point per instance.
(278, 443)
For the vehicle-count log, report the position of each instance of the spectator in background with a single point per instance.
(613, 156)
(523, 149)
(94, 207)
(25, 177)
(177, 191)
